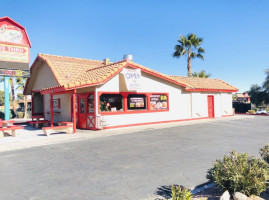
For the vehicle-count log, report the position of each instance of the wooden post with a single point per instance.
(74, 112)
(51, 110)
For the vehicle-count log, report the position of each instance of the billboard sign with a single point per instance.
(14, 48)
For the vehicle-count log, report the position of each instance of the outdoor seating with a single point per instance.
(11, 130)
(36, 123)
(6, 126)
(48, 130)
(65, 123)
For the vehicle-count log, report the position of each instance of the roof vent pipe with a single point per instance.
(128, 57)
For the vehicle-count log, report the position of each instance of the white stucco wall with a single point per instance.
(179, 103)
(64, 111)
(44, 78)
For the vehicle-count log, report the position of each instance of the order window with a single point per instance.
(136, 102)
(158, 102)
(111, 103)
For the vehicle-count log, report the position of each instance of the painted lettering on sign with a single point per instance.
(14, 53)
(132, 79)
(9, 33)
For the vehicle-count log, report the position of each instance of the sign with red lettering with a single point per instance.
(14, 46)
(14, 53)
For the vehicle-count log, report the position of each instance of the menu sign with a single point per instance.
(136, 102)
(91, 104)
(158, 102)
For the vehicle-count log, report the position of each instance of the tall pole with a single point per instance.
(6, 86)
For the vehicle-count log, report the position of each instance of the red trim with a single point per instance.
(209, 90)
(51, 110)
(213, 106)
(226, 115)
(149, 123)
(57, 90)
(155, 74)
(74, 112)
(125, 107)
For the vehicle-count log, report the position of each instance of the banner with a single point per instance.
(132, 79)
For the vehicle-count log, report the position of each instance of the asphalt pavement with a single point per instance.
(127, 166)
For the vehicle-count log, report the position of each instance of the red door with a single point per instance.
(82, 112)
(210, 100)
(91, 112)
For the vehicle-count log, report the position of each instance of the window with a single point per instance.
(136, 102)
(111, 102)
(158, 102)
(91, 103)
(82, 106)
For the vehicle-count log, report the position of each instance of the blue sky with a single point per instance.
(236, 33)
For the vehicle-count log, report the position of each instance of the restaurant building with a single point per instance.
(102, 94)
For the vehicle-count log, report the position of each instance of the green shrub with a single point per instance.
(11, 114)
(181, 193)
(252, 111)
(240, 173)
(20, 114)
(265, 153)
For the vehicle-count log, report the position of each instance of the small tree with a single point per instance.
(21, 85)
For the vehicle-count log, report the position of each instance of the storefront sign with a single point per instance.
(136, 102)
(14, 53)
(158, 102)
(4, 72)
(132, 79)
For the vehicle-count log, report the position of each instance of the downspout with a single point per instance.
(191, 103)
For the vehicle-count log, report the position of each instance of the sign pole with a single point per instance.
(6, 86)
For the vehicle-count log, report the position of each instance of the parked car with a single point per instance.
(261, 111)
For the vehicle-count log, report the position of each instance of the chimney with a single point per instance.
(128, 57)
(106, 61)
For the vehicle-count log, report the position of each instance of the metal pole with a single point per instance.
(6, 86)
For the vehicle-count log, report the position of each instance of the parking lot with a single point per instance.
(128, 166)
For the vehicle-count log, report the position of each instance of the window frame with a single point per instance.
(125, 106)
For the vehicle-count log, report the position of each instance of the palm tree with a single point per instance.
(12, 90)
(189, 46)
(201, 74)
(20, 86)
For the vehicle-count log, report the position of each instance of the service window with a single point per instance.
(91, 103)
(158, 102)
(111, 103)
(136, 102)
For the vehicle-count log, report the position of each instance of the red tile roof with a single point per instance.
(73, 73)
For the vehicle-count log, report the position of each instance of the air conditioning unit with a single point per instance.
(100, 122)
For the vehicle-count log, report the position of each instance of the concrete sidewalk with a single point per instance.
(32, 137)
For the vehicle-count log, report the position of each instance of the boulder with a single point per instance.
(225, 196)
(254, 197)
(240, 196)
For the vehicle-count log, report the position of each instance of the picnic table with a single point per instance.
(7, 126)
(38, 119)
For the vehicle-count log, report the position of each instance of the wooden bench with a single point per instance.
(65, 123)
(49, 130)
(36, 123)
(8, 129)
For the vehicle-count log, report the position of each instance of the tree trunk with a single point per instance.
(25, 106)
(13, 93)
(189, 64)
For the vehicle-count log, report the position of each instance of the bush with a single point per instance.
(11, 114)
(252, 111)
(240, 173)
(265, 153)
(181, 193)
(20, 114)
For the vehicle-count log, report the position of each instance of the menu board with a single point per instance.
(91, 104)
(158, 102)
(136, 102)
